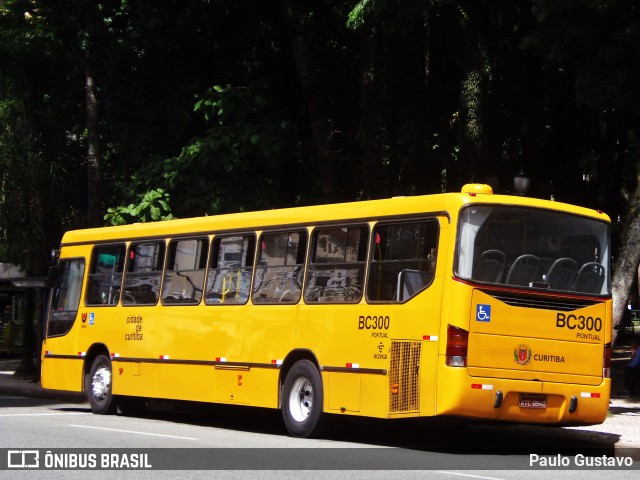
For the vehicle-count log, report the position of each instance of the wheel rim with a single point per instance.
(301, 399)
(101, 383)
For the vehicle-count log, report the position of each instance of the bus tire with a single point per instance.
(98, 386)
(302, 400)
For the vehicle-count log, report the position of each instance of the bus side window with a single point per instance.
(143, 273)
(230, 268)
(105, 275)
(336, 271)
(403, 260)
(184, 276)
(65, 297)
(278, 277)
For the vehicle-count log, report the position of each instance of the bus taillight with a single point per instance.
(457, 341)
(606, 361)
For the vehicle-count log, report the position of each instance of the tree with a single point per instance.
(32, 158)
(315, 100)
(600, 53)
(312, 102)
(94, 182)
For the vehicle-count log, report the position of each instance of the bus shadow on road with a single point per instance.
(437, 435)
(459, 436)
(626, 409)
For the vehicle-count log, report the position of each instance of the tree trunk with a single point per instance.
(374, 177)
(626, 267)
(94, 183)
(474, 108)
(316, 102)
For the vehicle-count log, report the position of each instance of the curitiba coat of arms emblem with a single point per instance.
(522, 354)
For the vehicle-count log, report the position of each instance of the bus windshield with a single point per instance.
(533, 248)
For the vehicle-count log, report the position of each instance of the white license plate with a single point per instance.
(533, 401)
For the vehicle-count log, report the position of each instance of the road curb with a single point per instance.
(26, 387)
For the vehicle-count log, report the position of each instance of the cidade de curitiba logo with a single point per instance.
(522, 354)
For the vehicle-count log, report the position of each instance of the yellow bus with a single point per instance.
(467, 304)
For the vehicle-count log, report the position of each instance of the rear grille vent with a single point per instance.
(404, 378)
(543, 303)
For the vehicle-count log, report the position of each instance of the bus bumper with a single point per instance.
(522, 401)
(61, 374)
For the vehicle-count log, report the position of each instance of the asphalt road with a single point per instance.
(246, 443)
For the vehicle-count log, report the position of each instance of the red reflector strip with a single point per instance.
(589, 395)
(221, 359)
(276, 362)
(164, 357)
(353, 365)
(82, 354)
(480, 386)
(115, 355)
(430, 338)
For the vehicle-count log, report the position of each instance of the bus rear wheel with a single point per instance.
(302, 399)
(98, 387)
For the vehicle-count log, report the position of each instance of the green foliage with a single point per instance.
(153, 206)
(356, 17)
(392, 16)
(231, 167)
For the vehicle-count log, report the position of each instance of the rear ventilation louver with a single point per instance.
(404, 377)
(542, 302)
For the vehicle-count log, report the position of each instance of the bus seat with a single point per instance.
(562, 274)
(490, 266)
(411, 282)
(590, 278)
(524, 270)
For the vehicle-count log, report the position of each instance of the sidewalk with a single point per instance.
(28, 385)
(623, 419)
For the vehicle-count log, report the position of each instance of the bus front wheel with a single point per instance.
(98, 387)
(302, 398)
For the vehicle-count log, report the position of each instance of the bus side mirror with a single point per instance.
(52, 276)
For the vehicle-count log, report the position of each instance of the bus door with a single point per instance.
(61, 361)
(131, 333)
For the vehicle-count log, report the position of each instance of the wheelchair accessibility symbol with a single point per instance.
(483, 313)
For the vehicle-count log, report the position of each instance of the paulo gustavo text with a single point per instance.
(579, 460)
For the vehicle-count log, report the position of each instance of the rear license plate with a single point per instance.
(533, 401)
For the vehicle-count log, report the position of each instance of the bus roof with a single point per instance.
(446, 204)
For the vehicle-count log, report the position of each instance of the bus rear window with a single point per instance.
(533, 248)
